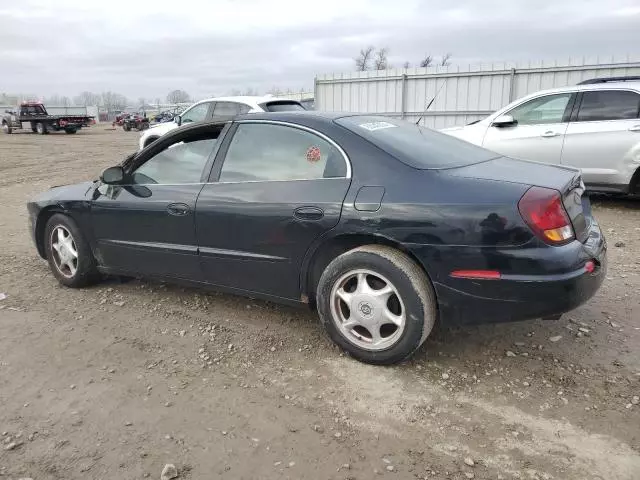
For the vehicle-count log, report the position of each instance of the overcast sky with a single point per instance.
(211, 47)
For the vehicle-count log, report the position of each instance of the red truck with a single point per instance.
(33, 115)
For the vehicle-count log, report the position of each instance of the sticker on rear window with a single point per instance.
(313, 154)
(373, 126)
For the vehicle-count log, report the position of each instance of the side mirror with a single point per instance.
(504, 121)
(112, 175)
(178, 119)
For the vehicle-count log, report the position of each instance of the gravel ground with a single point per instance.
(115, 381)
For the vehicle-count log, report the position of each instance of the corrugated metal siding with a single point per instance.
(467, 93)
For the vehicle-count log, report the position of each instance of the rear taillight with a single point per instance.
(544, 212)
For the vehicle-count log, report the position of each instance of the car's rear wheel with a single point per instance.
(376, 304)
(68, 253)
(70, 131)
(41, 128)
(126, 127)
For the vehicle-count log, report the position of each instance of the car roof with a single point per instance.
(621, 85)
(296, 115)
(248, 99)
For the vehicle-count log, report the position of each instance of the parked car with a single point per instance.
(594, 126)
(383, 225)
(162, 117)
(35, 116)
(221, 108)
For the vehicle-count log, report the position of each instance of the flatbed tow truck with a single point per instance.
(34, 115)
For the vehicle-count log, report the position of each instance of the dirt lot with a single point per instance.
(115, 381)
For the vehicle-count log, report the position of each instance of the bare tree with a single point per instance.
(362, 60)
(426, 61)
(87, 98)
(445, 60)
(406, 65)
(381, 62)
(177, 96)
(250, 92)
(8, 99)
(114, 101)
(53, 100)
(65, 101)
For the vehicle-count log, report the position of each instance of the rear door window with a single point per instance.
(226, 109)
(414, 145)
(266, 152)
(282, 106)
(609, 105)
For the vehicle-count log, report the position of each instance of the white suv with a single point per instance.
(222, 108)
(594, 126)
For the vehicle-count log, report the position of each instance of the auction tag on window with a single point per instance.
(373, 126)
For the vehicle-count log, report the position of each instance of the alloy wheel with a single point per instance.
(368, 309)
(64, 251)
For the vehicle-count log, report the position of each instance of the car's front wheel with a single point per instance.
(68, 253)
(376, 304)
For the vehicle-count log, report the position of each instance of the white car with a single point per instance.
(222, 108)
(594, 126)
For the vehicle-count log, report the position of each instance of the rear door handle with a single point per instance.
(178, 209)
(635, 128)
(308, 213)
(550, 133)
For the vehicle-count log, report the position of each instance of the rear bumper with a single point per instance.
(521, 297)
(513, 300)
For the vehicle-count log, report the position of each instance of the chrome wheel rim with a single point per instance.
(64, 251)
(368, 309)
(5, 127)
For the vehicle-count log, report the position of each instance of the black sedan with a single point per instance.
(382, 225)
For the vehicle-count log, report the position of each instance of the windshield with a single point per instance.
(282, 106)
(414, 145)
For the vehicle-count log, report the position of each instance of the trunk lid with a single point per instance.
(566, 180)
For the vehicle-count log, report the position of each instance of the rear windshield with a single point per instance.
(416, 146)
(282, 106)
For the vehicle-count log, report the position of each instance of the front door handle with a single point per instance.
(308, 213)
(550, 133)
(178, 209)
(635, 128)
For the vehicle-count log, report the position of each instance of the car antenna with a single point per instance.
(431, 102)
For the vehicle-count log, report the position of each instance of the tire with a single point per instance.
(41, 128)
(33, 128)
(70, 131)
(60, 258)
(411, 304)
(126, 127)
(6, 128)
